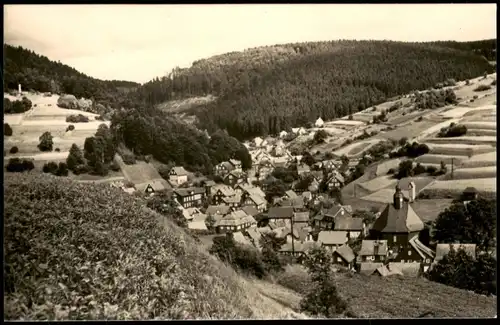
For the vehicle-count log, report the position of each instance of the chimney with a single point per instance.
(398, 198)
(411, 191)
(375, 248)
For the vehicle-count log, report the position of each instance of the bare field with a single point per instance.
(407, 117)
(385, 195)
(346, 122)
(379, 183)
(384, 167)
(436, 159)
(429, 210)
(481, 184)
(459, 149)
(469, 173)
(365, 144)
(138, 173)
(47, 156)
(487, 125)
(461, 111)
(465, 140)
(408, 131)
(481, 132)
(481, 160)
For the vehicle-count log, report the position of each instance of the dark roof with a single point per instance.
(368, 247)
(250, 210)
(368, 268)
(280, 212)
(346, 253)
(301, 216)
(179, 171)
(327, 237)
(403, 220)
(189, 191)
(218, 209)
(298, 202)
(349, 224)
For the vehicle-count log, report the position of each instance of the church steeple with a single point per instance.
(398, 198)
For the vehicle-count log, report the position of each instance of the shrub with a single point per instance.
(17, 165)
(114, 166)
(81, 169)
(50, 167)
(403, 141)
(475, 96)
(7, 130)
(391, 171)
(99, 118)
(351, 118)
(7, 106)
(482, 88)
(70, 127)
(77, 118)
(128, 159)
(14, 150)
(467, 82)
(75, 157)
(419, 169)
(431, 170)
(62, 169)
(57, 150)
(453, 131)
(494, 83)
(419, 119)
(46, 142)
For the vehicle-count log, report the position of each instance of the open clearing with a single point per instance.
(429, 210)
(481, 184)
(481, 125)
(379, 183)
(482, 160)
(407, 117)
(468, 173)
(453, 149)
(138, 173)
(408, 131)
(436, 159)
(464, 140)
(365, 145)
(48, 156)
(385, 195)
(481, 132)
(384, 167)
(460, 111)
(346, 122)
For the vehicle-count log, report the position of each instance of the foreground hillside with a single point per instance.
(269, 89)
(37, 72)
(75, 251)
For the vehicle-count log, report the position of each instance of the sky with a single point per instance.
(140, 42)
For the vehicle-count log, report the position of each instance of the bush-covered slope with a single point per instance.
(269, 89)
(75, 251)
(37, 72)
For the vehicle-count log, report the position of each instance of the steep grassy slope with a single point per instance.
(37, 72)
(75, 251)
(268, 89)
(397, 297)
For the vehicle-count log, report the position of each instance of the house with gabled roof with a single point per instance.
(297, 249)
(319, 123)
(369, 268)
(234, 221)
(223, 168)
(255, 236)
(301, 217)
(251, 211)
(236, 164)
(221, 191)
(240, 238)
(353, 226)
(325, 219)
(328, 165)
(332, 239)
(153, 186)
(234, 177)
(189, 197)
(303, 169)
(373, 251)
(217, 210)
(291, 194)
(178, 175)
(344, 256)
(232, 201)
(398, 223)
(255, 201)
(335, 180)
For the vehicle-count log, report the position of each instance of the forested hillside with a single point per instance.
(262, 91)
(37, 72)
(486, 48)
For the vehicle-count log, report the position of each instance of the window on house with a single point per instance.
(402, 261)
(409, 253)
(339, 259)
(395, 239)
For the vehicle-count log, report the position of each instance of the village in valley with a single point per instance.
(371, 236)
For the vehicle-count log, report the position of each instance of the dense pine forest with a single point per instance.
(265, 90)
(37, 72)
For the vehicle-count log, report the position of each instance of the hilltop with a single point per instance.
(102, 255)
(265, 90)
(37, 72)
